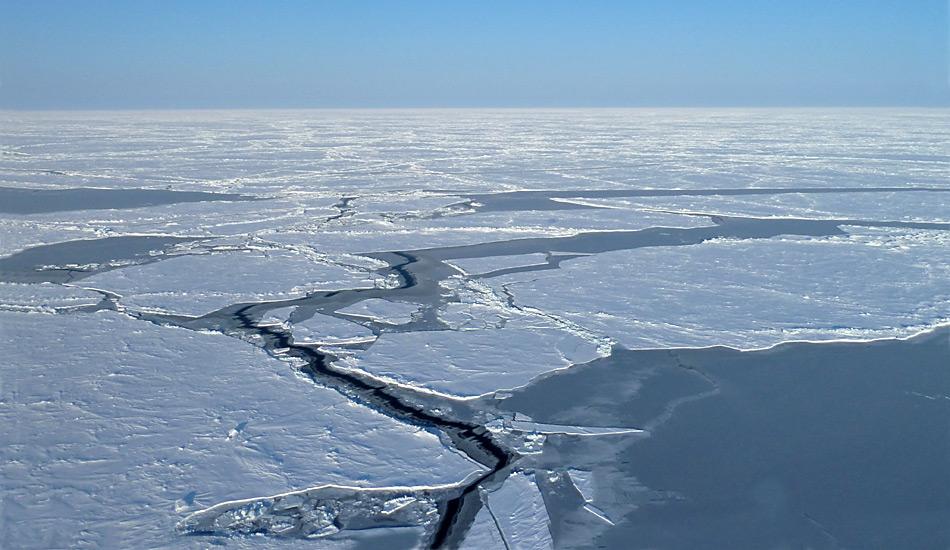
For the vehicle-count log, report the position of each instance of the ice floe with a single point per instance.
(200, 283)
(99, 409)
(750, 294)
(520, 512)
(473, 362)
(382, 311)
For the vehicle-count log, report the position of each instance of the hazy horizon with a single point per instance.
(421, 54)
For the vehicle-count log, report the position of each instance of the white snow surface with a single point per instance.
(114, 428)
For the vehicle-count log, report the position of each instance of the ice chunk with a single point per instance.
(483, 533)
(478, 266)
(521, 513)
(321, 512)
(324, 329)
(584, 481)
(382, 311)
(474, 362)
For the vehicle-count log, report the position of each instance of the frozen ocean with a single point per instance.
(632, 328)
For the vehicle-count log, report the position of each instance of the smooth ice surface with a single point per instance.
(199, 284)
(584, 482)
(520, 512)
(473, 362)
(114, 428)
(324, 329)
(382, 311)
(484, 533)
(751, 294)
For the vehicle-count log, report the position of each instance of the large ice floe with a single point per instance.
(751, 294)
(114, 427)
(476, 329)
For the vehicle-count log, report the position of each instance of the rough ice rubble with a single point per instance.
(478, 307)
(322, 511)
(100, 409)
(197, 284)
(750, 294)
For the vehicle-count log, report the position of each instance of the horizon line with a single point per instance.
(476, 108)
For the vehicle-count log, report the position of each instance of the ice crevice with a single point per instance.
(497, 446)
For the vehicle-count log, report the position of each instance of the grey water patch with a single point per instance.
(595, 242)
(15, 200)
(512, 201)
(552, 261)
(73, 260)
(645, 386)
(805, 445)
(607, 241)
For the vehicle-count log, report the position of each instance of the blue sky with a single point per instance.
(409, 53)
